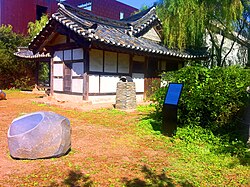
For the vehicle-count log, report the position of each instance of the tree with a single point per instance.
(35, 27)
(187, 23)
(246, 20)
(14, 72)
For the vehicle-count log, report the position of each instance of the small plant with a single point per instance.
(23, 83)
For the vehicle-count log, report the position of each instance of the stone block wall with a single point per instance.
(125, 95)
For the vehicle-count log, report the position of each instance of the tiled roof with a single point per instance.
(23, 52)
(123, 33)
(142, 20)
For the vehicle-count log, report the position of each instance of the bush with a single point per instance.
(211, 98)
(197, 139)
(13, 70)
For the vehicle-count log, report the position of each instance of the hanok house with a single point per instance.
(89, 54)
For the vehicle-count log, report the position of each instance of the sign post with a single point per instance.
(170, 107)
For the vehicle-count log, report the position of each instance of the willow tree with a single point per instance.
(186, 23)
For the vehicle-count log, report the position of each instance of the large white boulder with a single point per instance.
(39, 135)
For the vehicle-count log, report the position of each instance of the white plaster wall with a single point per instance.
(77, 85)
(58, 56)
(94, 84)
(108, 84)
(58, 84)
(152, 35)
(58, 70)
(138, 78)
(235, 56)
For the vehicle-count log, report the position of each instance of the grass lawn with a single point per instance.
(116, 148)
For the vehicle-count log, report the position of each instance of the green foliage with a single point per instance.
(44, 72)
(12, 69)
(23, 83)
(185, 21)
(211, 98)
(199, 157)
(35, 27)
(204, 138)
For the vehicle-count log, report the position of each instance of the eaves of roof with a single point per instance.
(111, 33)
(23, 52)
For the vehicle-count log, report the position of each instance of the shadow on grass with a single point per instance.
(232, 140)
(155, 121)
(74, 178)
(152, 179)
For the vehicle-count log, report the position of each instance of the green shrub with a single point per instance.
(196, 138)
(211, 98)
(14, 71)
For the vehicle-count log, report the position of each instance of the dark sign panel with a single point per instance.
(173, 94)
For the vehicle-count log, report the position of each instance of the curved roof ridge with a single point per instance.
(80, 14)
(150, 13)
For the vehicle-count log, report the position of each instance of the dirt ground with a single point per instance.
(106, 149)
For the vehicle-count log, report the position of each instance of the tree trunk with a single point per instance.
(248, 59)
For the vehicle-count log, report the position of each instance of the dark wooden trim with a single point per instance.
(85, 87)
(68, 93)
(71, 34)
(99, 83)
(101, 94)
(103, 60)
(74, 61)
(37, 72)
(46, 41)
(67, 39)
(130, 65)
(117, 61)
(67, 67)
(52, 76)
(145, 75)
(66, 46)
(58, 77)
(77, 77)
(58, 62)
(107, 73)
(111, 93)
(86, 63)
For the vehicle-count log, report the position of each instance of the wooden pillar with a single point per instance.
(37, 72)
(145, 78)
(85, 87)
(49, 65)
(51, 76)
(85, 94)
(130, 65)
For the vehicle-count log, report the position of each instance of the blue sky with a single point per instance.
(138, 3)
